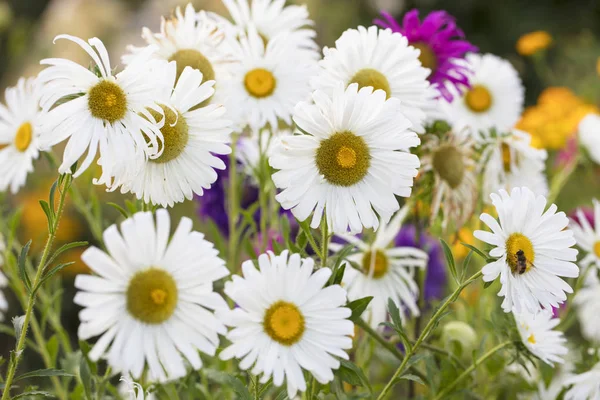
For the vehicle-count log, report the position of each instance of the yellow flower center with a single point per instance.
(175, 136)
(23, 137)
(478, 99)
(448, 163)
(427, 57)
(152, 296)
(531, 339)
(370, 77)
(284, 323)
(376, 262)
(195, 59)
(260, 83)
(597, 248)
(107, 101)
(343, 159)
(518, 242)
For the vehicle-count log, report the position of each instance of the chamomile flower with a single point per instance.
(383, 60)
(587, 302)
(532, 250)
(451, 160)
(109, 112)
(191, 40)
(352, 161)
(386, 271)
(286, 321)
(19, 131)
(495, 99)
(193, 136)
(589, 136)
(269, 81)
(538, 336)
(586, 386)
(152, 297)
(511, 161)
(588, 236)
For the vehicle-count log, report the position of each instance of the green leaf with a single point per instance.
(21, 263)
(478, 252)
(43, 372)
(415, 359)
(86, 378)
(397, 324)
(52, 348)
(49, 214)
(487, 284)
(358, 307)
(230, 381)
(338, 275)
(351, 373)
(120, 209)
(64, 248)
(411, 377)
(449, 260)
(51, 273)
(53, 195)
(32, 393)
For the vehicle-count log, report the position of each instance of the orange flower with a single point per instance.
(533, 42)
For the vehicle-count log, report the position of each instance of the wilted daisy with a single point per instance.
(533, 250)
(587, 302)
(586, 386)
(588, 236)
(191, 40)
(152, 297)
(133, 390)
(109, 112)
(19, 130)
(511, 161)
(352, 162)
(495, 99)
(538, 336)
(442, 44)
(451, 160)
(589, 136)
(286, 321)
(385, 271)
(380, 59)
(193, 136)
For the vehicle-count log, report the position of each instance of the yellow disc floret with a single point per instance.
(152, 296)
(23, 137)
(107, 101)
(284, 323)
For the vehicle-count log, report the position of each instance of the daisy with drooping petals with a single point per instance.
(537, 334)
(386, 271)
(589, 136)
(442, 45)
(586, 386)
(19, 131)
(286, 321)
(109, 112)
(378, 58)
(495, 100)
(588, 236)
(533, 250)
(511, 161)
(587, 301)
(133, 390)
(352, 162)
(192, 138)
(267, 84)
(150, 301)
(451, 160)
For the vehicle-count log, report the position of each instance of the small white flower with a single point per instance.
(538, 336)
(533, 250)
(133, 390)
(352, 161)
(587, 301)
(589, 136)
(586, 386)
(150, 301)
(588, 237)
(286, 321)
(387, 272)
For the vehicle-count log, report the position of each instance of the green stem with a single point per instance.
(20, 347)
(561, 178)
(472, 367)
(233, 205)
(428, 328)
(325, 242)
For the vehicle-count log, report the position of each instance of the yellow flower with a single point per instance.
(464, 235)
(533, 42)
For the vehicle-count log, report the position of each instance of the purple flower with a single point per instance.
(435, 282)
(442, 46)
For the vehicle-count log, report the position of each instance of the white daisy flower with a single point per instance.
(588, 237)
(19, 131)
(383, 60)
(109, 112)
(533, 250)
(286, 321)
(589, 136)
(150, 302)
(586, 386)
(352, 161)
(271, 18)
(511, 161)
(386, 272)
(191, 40)
(192, 137)
(538, 336)
(267, 84)
(495, 100)
(133, 390)
(587, 301)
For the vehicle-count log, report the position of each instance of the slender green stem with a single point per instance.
(263, 194)
(325, 242)
(20, 347)
(428, 328)
(234, 206)
(472, 367)
(561, 178)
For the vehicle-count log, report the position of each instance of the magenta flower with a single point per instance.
(442, 46)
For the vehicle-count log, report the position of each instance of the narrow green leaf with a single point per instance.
(230, 381)
(43, 372)
(351, 373)
(394, 312)
(49, 214)
(33, 393)
(51, 273)
(120, 209)
(487, 284)
(86, 378)
(449, 260)
(358, 307)
(339, 275)
(21, 264)
(64, 248)
(52, 348)
(411, 377)
(478, 252)
(52, 195)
